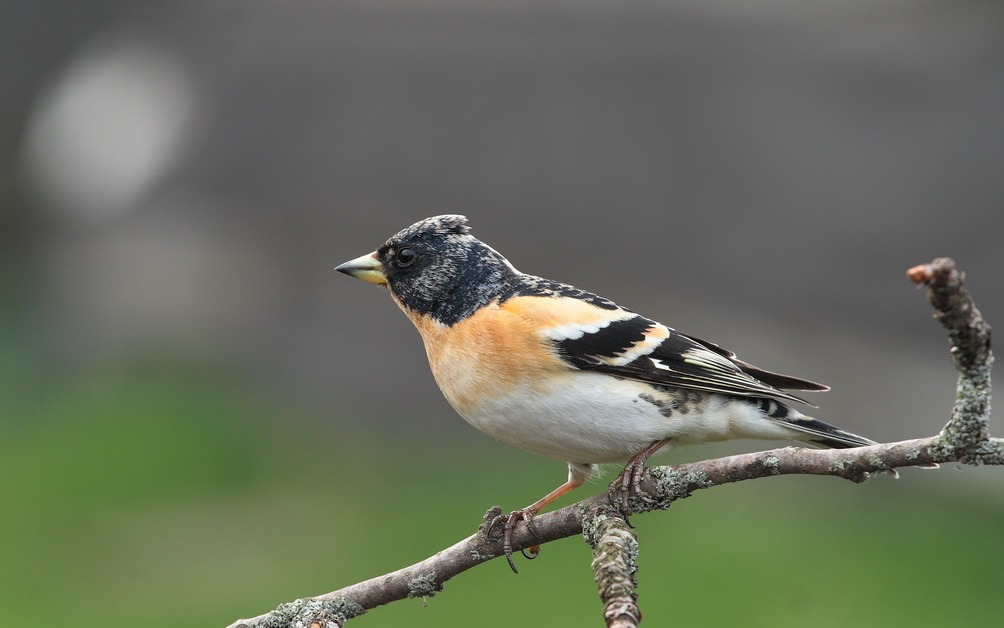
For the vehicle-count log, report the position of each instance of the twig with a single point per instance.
(967, 434)
(965, 438)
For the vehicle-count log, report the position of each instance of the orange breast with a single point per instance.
(487, 355)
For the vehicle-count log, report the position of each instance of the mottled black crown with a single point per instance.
(431, 227)
(435, 267)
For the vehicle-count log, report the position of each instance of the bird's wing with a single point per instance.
(613, 340)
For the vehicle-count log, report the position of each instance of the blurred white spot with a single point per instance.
(107, 128)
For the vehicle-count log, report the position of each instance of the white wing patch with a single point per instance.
(654, 336)
(573, 331)
(657, 363)
(590, 320)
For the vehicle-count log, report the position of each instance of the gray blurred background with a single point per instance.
(179, 180)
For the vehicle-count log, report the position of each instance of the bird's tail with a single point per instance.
(821, 434)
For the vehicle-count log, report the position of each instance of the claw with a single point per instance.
(508, 523)
(527, 514)
(628, 483)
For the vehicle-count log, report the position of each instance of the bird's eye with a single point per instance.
(406, 256)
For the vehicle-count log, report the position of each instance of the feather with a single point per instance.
(625, 344)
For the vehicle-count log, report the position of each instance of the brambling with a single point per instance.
(570, 375)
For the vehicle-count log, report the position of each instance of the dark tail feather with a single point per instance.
(824, 435)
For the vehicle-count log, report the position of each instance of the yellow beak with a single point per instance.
(368, 268)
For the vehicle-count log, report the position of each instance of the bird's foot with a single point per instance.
(508, 523)
(628, 483)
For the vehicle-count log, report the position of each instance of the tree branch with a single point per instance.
(615, 551)
(965, 438)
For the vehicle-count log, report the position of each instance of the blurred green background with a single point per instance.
(200, 420)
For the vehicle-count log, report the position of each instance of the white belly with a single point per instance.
(592, 418)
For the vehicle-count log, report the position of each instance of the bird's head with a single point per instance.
(436, 267)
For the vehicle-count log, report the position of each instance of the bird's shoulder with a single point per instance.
(589, 332)
(522, 330)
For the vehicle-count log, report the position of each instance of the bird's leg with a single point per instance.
(628, 483)
(508, 522)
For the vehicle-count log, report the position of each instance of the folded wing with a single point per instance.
(622, 343)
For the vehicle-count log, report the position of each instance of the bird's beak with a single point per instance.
(368, 268)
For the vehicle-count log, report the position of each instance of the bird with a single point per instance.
(570, 375)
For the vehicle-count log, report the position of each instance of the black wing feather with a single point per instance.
(680, 361)
(617, 337)
(777, 380)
